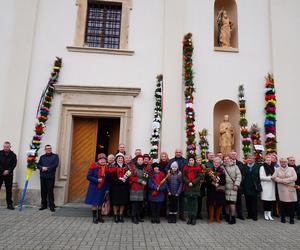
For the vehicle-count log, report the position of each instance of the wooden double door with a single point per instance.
(90, 137)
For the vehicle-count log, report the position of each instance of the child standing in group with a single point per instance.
(156, 192)
(174, 187)
(137, 184)
(192, 178)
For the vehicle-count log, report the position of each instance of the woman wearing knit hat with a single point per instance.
(119, 188)
(174, 187)
(99, 185)
(192, 178)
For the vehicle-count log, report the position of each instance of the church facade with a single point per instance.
(112, 52)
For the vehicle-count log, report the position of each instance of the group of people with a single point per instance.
(176, 187)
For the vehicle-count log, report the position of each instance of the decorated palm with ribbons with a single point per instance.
(42, 117)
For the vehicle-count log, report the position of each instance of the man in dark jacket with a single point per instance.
(181, 161)
(239, 208)
(292, 163)
(47, 166)
(8, 162)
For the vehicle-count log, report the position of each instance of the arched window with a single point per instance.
(225, 26)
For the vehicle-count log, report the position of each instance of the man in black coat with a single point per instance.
(8, 162)
(181, 163)
(292, 163)
(47, 166)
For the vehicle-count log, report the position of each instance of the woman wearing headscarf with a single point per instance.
(119, 187)
(99, 185)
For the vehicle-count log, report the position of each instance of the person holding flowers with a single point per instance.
(98, 175)
(137, 182)
(156, 192)
(119, 187)
(215, 181)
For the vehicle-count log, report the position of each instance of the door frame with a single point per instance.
(108, 103)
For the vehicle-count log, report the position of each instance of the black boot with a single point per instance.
(232, 220)
(138, 217)
(157, 220)
(134, 220)
(193, 221)
(152, 220)
(100, 219)
(121, 218)
(95, 219)
(189, 220)
(283, 219)
(170, 218)
(292, 220)
(174, 218)
(227, 217)
(116, 218)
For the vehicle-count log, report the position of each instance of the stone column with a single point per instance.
(172, 123)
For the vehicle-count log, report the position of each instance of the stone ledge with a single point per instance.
(100, 50)
(59, 88)
(229, 49)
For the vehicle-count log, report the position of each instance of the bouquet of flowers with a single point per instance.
(126, 176)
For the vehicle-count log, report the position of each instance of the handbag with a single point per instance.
(233, 181)
(105, 208)
(220, 188)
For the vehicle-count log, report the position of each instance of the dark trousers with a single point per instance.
(8, 181)
(181, 204)
(173, 204)
(288, 209)
(136, 207)
(199, 213)
(239, 208)
(155, 209)
(298, 203)
(268, 205)
(47, 187)
(251, 204)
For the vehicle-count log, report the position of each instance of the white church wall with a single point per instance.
(56, 31)
(218, 74)
(286, 53)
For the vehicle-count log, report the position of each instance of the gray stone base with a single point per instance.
(32, 198)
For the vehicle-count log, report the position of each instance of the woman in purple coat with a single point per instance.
(99, 185)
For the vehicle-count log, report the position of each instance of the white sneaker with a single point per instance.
(266, 215)
(269, 215)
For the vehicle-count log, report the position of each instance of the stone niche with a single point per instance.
(231, 8)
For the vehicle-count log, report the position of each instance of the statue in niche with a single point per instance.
(226, 139)
(225, 27)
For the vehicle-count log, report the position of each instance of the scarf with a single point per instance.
(133, 181)
(157, 178)
(269, 169)
(101, 174)
(121, 170)
(191, 172)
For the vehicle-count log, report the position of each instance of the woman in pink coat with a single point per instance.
(285, 177)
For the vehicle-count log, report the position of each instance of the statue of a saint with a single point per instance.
(226, 139)
(225, 27)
